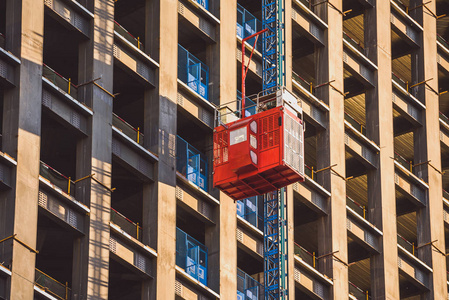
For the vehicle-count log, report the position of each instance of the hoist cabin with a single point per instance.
(262, 152)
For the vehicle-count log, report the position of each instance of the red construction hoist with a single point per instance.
(264, 152)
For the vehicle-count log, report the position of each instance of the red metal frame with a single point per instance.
(245, 70)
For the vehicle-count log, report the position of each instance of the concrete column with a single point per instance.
(228, 208)
(379, 122)
(23, 140)
(332, 228)
(427, 148)
(162, 133)
(91, 255)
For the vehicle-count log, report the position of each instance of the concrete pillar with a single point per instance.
(379, 123)
(427, 141)
(24, 137)
(161, 126)
(228, 208)
(91, 253)
(332, 228)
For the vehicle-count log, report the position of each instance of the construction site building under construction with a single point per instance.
(107, 115)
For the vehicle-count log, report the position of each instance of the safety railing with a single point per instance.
(359, 209)
(401, 82)
(66, 184)
(203, 3)
(248, 288)
(57, 79)
(2, 40)
(358, 292)
(310, 171)
(131, 228)
(305, 255)
(442, 41)
(404, 162)
(401, 5)
(359, 127)
(248, 210)
(193, 72)
(127, 129)
(409, 246)
(304, 83)
(247, 25)
(250, 105)
(191, 163)
(307, 3)
(444, 118)
(128, 36)
(52, 286)
(446, 195)
(191, 256)
(353, 42)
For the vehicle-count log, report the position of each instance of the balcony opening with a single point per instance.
(359, 275)
(442, 9)
(248, 24)
(129, 22)
(253, 84)
(193, 69)
(299, 294)
(306, 234)
(304, 64)
(55, 258)
(191, 160)
(357, 196)
(61, 56)
(127, 201)
(249, 286)
(354, 24)
(1, 117)
(128, 106)
(407, 232)
(250, 262)
(123, 283)
(2, 23)
(310, 151)
(251, 210)
(58, 154)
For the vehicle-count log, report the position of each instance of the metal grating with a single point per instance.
(399, 262)
(348, 224)
(293, 144)
(112, 245)
(318, 289)
(46, 99)
(75, 119)
(43, 199)
(140, 262)
(143, 166)
(3, 69)
(72, 218)
(369, 238)
(239, 235)
(297, 275)
(143, 70)
(419, 275)
(180, 99)
(179, 193)
(178, 288)
(116, 147)
(116, 51)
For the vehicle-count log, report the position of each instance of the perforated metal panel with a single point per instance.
(419, 275)
(346, 139)
(116, 51)
(72, 218)
(369, 238)
(42, 199)
(348, 224)
(399, 262)
(46, 98)
(178, 288)
(116, 147)
(112, 245)
(318, 289)
(75, 119)
(239, 235)
(140, 262)
(143, 70)
(293, 143)
(297, 275)
(179, 193)
(318, 200)
(180, 99)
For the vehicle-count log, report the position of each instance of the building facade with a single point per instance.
(107, 114)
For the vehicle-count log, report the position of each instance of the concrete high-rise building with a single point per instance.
(107, 113)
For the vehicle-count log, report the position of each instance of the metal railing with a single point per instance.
(353, 42)
(401, 5)
(403, 162)
(444, 118)
(248, 24)
(57, 79)
(131, 228)
(2, 40)
(401, 82)
(409, 246)
(442, 41)
(250, 105)
(446, 195)
(359, 209)
(203, 3)
(191, 256)
(305, 84)
(358, 292)
(359, 127)
(193, 72)
(191, 163)
(52, 286)
(66, 184)
(248, 210)
(127, 129)
(128, 36)
(248, 288)
(305, 255)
